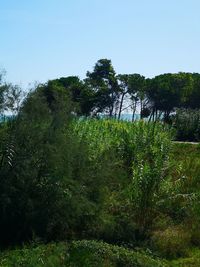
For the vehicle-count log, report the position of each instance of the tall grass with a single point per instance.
(128, 139)
(142, 150)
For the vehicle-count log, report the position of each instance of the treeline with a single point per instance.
(105, 92)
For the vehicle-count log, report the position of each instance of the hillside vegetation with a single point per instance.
(79, 190)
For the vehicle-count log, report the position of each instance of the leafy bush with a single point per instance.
(49, 186)
(93, 253)
(187, 125)
(78, 253)
(51, 255)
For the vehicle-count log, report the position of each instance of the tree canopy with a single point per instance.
(105, 92)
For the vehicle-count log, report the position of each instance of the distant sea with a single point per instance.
(5, 117)
(125, 117)
(128, 117)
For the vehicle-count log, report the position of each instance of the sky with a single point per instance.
(47, 39)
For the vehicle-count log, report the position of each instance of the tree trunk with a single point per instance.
(134, 109)
(150, 117)
(120, 107)
(141, 107)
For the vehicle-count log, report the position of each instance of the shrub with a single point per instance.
(187, 125)
(49, 186)
(93, 253)
(77, 254)
(51, 255)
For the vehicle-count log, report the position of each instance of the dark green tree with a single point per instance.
(81, 94)
(103, 82)
(192, 95)
(167, 92)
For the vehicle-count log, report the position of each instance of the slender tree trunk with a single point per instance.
(156, 115)
(160, 115)
(133, 115)
(134, 109)
(110, 112)
(153, 114)
(166, 116)
(1, 163)
(111, 108)
(150, 117)
(120, 107)
(141, 108)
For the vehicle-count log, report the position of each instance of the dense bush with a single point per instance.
(49, 186)
(51, 255)
(78, 253)
(187, 125)
(92, 253)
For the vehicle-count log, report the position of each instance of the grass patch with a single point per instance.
(192, 260)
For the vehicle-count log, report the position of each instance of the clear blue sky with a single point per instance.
(46, 39)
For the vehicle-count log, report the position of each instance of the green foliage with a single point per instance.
(192, 259)
(48, 183)
(64, 177)
(67, 177)
(93, 253)
(179, 228)
(104, 83)
(105, 92)
(141, 149)
(187, 125)
(82, 95)
(149, 173)
(78, 253)
(130, 141)
(137, 92)
(181, 194)
(192, 96)
(168, 91)
(51, 255)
